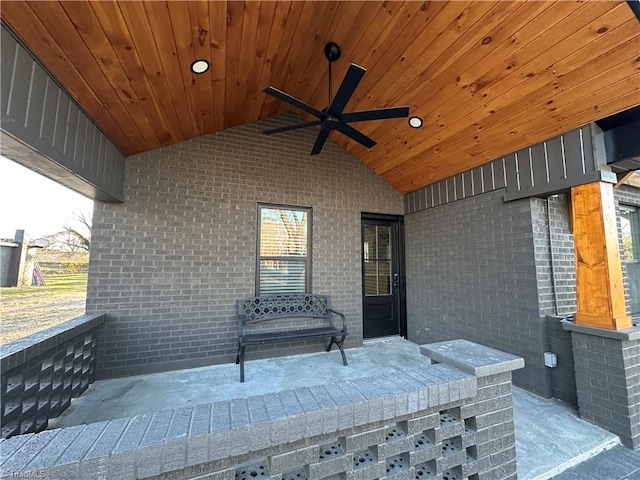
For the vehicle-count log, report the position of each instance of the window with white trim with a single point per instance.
(284, 250)
(630, 223)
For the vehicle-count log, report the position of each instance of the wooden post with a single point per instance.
(600, 288)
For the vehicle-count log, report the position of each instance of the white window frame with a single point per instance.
(294, 259)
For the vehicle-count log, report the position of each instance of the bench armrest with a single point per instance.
(344, 320)
(242, 326)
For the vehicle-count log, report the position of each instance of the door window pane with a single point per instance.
(384, 242)
(384, 267)
(371, 285)
(370, 242)
(376, 251)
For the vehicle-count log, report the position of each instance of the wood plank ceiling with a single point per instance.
(488, 78)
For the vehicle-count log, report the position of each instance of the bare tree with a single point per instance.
(76, 235)
(296, 229)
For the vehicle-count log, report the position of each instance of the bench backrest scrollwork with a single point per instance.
(258, 309)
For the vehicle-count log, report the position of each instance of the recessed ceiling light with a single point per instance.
(415, 122)
(199, 66)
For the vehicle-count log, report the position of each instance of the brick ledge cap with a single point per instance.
(472, 358)
(628, 334)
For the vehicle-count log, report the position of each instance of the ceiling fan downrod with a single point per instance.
(332, 53)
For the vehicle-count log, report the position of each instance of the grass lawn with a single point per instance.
(25, 310)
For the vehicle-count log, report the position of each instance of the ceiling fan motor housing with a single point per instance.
(332, 51)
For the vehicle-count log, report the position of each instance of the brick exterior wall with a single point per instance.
(629, 195)
(563, 379)
(515, 264)
(555, 256)
(471, 273)
(555, 269)
(168, 265)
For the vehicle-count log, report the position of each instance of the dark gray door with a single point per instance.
(382, 276)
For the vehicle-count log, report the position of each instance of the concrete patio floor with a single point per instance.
(549, 435)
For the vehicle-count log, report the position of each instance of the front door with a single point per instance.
(382, 276)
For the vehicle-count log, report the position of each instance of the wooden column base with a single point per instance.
(612, 323)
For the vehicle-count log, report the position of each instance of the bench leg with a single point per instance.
(339, 344)
(241, 361)
(333, 340)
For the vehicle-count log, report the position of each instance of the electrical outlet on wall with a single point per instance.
(550, 359)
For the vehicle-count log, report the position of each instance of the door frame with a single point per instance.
(398, 233)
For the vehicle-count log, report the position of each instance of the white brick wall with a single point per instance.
(168, 264)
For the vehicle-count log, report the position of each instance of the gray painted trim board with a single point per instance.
(46, 131)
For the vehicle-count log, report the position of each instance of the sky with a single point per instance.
(31, 202)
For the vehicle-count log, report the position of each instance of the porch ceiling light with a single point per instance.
(199, 66)
(415, 122)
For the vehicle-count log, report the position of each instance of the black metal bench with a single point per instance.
(257, 310)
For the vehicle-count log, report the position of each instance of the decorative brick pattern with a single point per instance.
(169, 264)
(41, 373)
(412, 430)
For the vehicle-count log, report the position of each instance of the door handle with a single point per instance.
(395, 280)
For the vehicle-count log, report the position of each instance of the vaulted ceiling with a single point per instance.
(488, 78)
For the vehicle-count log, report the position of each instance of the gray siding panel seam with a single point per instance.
(582, 156)
(13, 81)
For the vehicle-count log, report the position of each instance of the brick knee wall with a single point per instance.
(435, 422)
(607, 369)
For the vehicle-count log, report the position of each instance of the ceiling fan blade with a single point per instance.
(359, 137)
(285, 97)
(323, 134)
(377, 114)
(347, 87)
(292, 127)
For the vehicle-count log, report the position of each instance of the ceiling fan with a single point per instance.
(331, 117)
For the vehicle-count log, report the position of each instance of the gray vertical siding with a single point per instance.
(542, 169)
(483, 179)
(38, 114)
